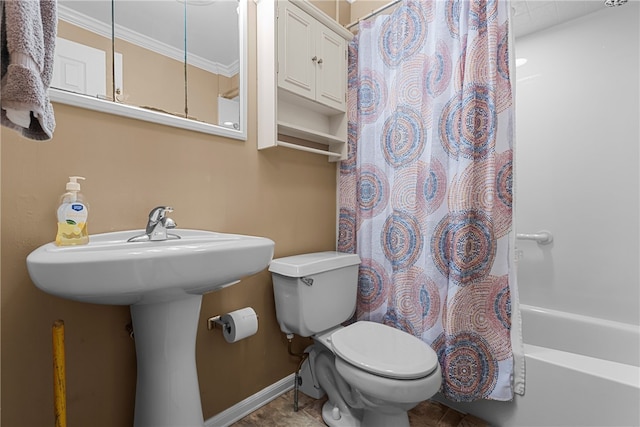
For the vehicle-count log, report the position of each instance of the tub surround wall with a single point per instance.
(131, 166)
(577, 170)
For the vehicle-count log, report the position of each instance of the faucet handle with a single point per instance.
(159, 212)
(169, 223)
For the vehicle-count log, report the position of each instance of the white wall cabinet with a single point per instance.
(312, 59)
(302, 78)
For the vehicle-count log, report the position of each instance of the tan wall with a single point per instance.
(361, 8)
(131, 166)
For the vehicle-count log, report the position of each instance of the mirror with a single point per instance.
(175, 62)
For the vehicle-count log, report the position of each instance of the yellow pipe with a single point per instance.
(59, 375)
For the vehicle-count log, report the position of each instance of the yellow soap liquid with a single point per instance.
(72, 234)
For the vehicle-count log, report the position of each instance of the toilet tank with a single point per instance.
(314, 292)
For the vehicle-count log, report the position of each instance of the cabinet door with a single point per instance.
(296, 50)
(331, 68)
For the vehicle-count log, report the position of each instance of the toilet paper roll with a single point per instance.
(239, 324)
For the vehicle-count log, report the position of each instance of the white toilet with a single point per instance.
(372, 373)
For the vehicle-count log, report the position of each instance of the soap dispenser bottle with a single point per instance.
(73, 213)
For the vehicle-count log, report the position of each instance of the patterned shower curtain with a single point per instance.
(426, 192)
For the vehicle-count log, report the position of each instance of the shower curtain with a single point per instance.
(426, 191)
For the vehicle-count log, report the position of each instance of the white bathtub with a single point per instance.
(580, 371)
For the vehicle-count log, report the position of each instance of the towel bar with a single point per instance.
(307, 149)
(542, 237)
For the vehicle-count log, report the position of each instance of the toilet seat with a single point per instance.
(384, 351)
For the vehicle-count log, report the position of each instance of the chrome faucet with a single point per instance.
(157, 226)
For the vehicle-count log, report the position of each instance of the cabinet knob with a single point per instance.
(314, 59)
(320, 61)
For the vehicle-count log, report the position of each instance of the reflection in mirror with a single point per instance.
(150, 36)
(176, 62)
(83, 54)
(213, 61)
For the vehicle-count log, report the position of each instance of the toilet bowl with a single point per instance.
(388, 372)
(372, 373)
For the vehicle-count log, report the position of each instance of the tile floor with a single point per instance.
(279, 413)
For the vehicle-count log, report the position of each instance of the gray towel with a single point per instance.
(28, 34)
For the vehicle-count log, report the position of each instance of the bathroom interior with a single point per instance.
(577, 175)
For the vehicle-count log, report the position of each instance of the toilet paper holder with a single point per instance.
(217, 320)
(236, 325)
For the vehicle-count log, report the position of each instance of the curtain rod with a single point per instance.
(373, 13)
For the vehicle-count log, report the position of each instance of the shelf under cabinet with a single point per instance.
(333, 156)
(307, 134)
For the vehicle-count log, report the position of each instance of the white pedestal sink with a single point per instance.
(163, 283)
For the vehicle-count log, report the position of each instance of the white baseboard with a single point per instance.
(251, 403)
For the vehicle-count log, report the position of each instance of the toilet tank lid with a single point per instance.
(312, 263)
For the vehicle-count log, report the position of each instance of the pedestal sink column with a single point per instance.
(167, 391)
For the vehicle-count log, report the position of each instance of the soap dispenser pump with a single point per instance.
(73, 213)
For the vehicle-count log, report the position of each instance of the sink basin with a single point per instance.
(110, 270)
(163, 283)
